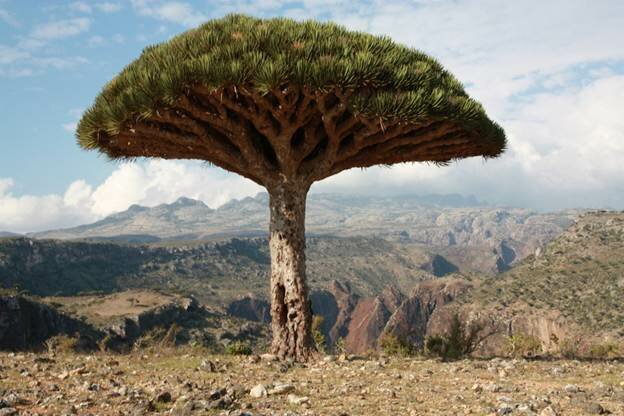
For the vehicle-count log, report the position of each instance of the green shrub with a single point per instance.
(238, 348)
(62, 344)
(147, 340)
(604, 350)
(319, 338)
(393, 345)
(339, 346)
(169, 340)
(460, 341)
(569, 348)
(522, 345)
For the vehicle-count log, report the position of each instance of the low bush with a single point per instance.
(62, 344)
(569, 348)
(319, 339)
(238, 348)
(461, 340)
(393, 345)
(339, 346)
(604, 351)
(522, 345)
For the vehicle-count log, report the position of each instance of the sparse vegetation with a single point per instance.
(569, 348)
(578, 274)
(522, 345)
(604, 350)
(461, 340)
(238, 348)
(63, 344)
(393, 345)
(319, 339)
(339, 346)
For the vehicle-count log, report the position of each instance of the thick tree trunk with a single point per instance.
(291, 315)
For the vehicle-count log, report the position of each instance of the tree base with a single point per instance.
(291, 314)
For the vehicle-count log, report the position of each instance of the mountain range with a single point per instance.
(377, 266)
(475, 237)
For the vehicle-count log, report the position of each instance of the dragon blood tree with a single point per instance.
(285, 104)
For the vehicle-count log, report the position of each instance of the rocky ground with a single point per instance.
(185, 381)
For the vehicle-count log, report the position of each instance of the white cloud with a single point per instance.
(70, 127)
(5, 185)
(29, 56)
(108, 7)
(25, 213)
(147, 183)
(565, 151)
(172, 11)
(8, 18)
(548, 71)
(80, 6)
(10, 55)
(60, 29)
(95, 41)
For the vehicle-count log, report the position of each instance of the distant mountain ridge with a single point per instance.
(188, 218)
(441, 220)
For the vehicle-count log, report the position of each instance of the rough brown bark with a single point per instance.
(291, 315)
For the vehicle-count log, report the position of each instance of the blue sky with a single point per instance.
(552, 73)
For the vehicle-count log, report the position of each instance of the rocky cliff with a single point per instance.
(25, 323)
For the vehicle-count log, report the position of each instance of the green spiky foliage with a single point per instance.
(239, 67)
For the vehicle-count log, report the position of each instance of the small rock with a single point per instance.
(269, 357)
(237, 391)
(258, 391)
(298, 400)
(217, 394)
(284, 367)
(281, 389)
(477, 388)
(8, 411)
(222, 403)
(504, 410)
(183, 406)
(595, 409)
(208, 366)
(163, 397)
(493, 388)
(526, 409)
(548, 411)
(13, 399)
(253, 359)
(571, 388)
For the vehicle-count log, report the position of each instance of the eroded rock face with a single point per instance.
(250, 308)
(115, 321)
(367, 324)
(346, 301)
(25, 323)
(363, 321)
